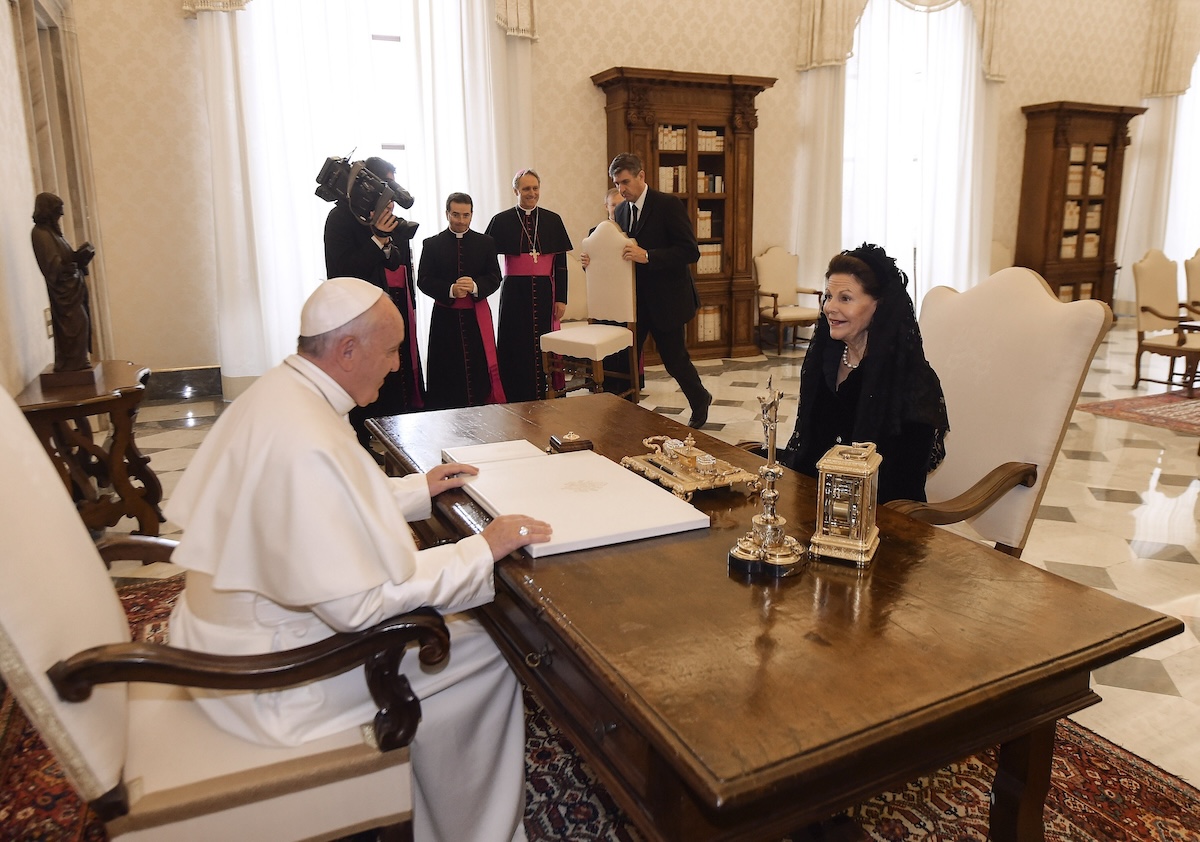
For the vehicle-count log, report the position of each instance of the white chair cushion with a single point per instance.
(590, 342)
(1169, 342)
(791, 313)
(210, 781)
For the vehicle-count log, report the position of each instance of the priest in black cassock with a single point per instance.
(534, 243)
(380, 254)
(459, 270)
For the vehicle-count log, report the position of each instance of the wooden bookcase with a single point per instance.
(1070, 192)
(695, 135)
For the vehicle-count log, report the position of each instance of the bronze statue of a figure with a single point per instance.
(65, 270)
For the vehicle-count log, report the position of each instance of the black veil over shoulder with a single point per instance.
(898, 383)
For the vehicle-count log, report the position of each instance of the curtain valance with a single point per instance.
(191, 7)
(827, 31)
(1172, 45)
(516, 18)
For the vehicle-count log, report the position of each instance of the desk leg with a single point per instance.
(1019, 790)
(125, 459)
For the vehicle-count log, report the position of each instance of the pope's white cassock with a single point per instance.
(291, 533)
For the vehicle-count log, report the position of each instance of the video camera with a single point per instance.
(366, 194)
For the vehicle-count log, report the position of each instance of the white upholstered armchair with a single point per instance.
(1012, 359)
(777, 274)
(143, 755)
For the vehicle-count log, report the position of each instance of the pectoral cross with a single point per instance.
(534, 252)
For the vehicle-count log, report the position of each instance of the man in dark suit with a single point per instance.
(662, 247)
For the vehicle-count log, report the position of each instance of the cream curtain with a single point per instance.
(916, 168)
(288, 84)
(817, 197)
(1172, 46)
(826, 29)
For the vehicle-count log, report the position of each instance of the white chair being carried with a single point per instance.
(611, 297)
(777, 273)
(1163, 326)
(143, 755)
(1012, 359)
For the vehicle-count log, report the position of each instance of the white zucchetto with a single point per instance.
(336, 302)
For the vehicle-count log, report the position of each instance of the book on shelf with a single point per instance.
(708, 324)
(710, 259)
(1096, 182)
(672, 138)
(1067, 251)
(588, 500)
(710, 140)
(703, 224)
(1075, 179)
(1091, 245)
(1071, 216)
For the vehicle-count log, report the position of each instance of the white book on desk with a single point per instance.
(588, 500)
(493, 451)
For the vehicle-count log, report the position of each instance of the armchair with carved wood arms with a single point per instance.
(114, 713)
(1012, 359)
(777, 274)
(1165, 325)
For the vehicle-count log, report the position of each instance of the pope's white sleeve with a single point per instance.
(450, 578)
(412, 496)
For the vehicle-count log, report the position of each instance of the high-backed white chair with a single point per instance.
(777, 273)
(611, 298)
(1012, 359)
(1191, 268)
(143, 755)
(1162, 322)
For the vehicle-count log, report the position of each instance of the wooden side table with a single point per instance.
(60, 417)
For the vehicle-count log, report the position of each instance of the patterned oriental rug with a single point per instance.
(1099, 792)
(1172, 411)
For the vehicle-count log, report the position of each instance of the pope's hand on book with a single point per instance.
(447, 476)
(511, 532)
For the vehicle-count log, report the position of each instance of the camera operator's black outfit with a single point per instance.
(350, 251)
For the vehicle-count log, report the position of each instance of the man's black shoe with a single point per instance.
(700, 413)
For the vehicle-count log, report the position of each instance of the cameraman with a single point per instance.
(380, 254)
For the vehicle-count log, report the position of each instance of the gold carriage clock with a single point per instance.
(847, 489)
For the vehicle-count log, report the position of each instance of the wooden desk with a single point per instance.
(60, 418)
(717, 708)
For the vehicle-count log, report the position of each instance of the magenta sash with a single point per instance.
(523, 265)
(398, 279)
(483, 316)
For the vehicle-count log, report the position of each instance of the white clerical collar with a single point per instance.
(527, 212)
(338, 398)
(458, 234)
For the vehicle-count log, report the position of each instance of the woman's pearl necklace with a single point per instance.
(846, 359)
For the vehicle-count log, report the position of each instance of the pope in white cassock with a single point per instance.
(291, 533)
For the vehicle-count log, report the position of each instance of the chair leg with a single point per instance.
(1137, 368)
(597, 376)
(548, 368)
(779, 337)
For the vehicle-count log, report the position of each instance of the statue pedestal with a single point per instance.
(51, 379)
